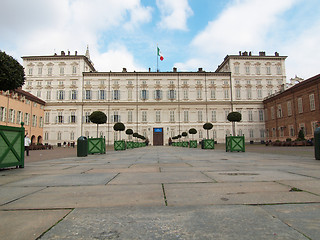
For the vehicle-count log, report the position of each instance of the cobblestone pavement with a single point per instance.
(163, 193)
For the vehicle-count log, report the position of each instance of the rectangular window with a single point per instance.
(72, 136)
(46, 136)
(200, 116)
(213, 116)
(73, 94)
(30, 71)
(46, 117)
(186, 116)
(61, 70)
(279, 112)
(144, 94)
(40, 71)
(300, 108)
(27, 119)
(50, 71)
(261, 133)
(291, 131)
(279, 70)
(226, 113)
(258, 70)
(312, 104)
(261, 118)
(249, 93)
(226, 93)
(59, 136)
(73, 117)
(250, 116)
(172, 118)
(172, 94)
(34, 120)
(272, 112)
(268, 69)
(247, 69)
(130, 116)
(158, 94)
(238, 93)
(251, 135)
(213, 94)
(158, 116)
(129, 94)
(289, 108)
(185, 94)
(259, 93)
(116, 117)
(88, 95)
(199, 94)
(116, 95)
(102, 94)
(41, 122)
(60, 118)
(236, 69)
(39, 94)
(86, 117)
(74, 69)
(144, 116)
(60, 95)
(48, 95)
(19, 117)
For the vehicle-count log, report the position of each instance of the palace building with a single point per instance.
(152, 102)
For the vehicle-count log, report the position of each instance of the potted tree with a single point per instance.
(119, 144)
(98, 117)
(136, 143)
(184, 143)
(129, 132)
(234, 143)
(97, 145)
(193, 143)
(207, 143)
(300, 141)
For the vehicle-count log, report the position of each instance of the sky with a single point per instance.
(189, 33)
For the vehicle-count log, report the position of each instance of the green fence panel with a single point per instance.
(193, 144)
(208, 144)
(235, 143)
(96, 145)
(185, 144)
(11, 146)
(119, 145)
(136, 144)
(130, 144)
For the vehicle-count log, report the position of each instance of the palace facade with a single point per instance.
(169, 102)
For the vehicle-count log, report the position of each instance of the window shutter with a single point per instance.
(147, 94)
(175, 94)
(168, 94)
(160, 94)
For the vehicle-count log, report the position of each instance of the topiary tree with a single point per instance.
(184, 134)
(11, 73)
(98, 117)
(119, 126)
(234, 117)
(129, 132)
(301, 135)
(192, 131)
(207, 126)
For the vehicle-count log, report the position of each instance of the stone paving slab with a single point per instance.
(162, 177)
(27, 224)
(5, 179)
(245, 176)
(66, 180)
(305, 218)
(234, 193)
(125, 170)
(91, 196)
(312, 186)
(8, 194)
(310, 173)
(194, 223)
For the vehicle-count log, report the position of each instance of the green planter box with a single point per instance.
(208, 144)
(235, 143)
(185, 144)
(96, 145)
(136, 144)
(11, 146)
(179, 144)
(174, 144)
(193, 144)
(119, 145)
(130, 144)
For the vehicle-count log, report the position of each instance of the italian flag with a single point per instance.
(160, 54)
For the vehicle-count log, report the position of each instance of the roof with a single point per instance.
(29, 96)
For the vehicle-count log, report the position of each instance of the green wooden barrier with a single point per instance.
(11, 146)
(193, 144)
(235, 143)
(185, 144)
(136, 144)
(208, 144)
(96, 145)
(130, 144)
(119, 145)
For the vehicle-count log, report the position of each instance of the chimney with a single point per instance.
(239, 53)
(76, 53)
(68, 53)
(249, 53)
(200, 70)
(149, 69)
(262, 54)
(63, 53)
(276, 54)
(124, 70)
(174, 69)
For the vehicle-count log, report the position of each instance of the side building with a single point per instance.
(292, 110)
(149, 102)
(20, 106)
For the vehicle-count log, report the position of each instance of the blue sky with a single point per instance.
(190, 33)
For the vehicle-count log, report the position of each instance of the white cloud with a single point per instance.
(42, 26)
(174, 14)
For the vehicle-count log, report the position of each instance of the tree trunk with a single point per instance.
(233, 128)
(97, 130)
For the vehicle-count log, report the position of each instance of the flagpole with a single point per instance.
(157, 58)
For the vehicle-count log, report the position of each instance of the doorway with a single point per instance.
(157, 136)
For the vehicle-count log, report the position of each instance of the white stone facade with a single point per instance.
(175, 101)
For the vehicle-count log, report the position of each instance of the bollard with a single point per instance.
(317, 143)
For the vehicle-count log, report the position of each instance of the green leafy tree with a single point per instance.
(11, 73)
(98, 117)
(129, 132)
(184, 134)
(192, 131)
(207, 127)
(301, 135)
(119, 126)
(234, 117)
